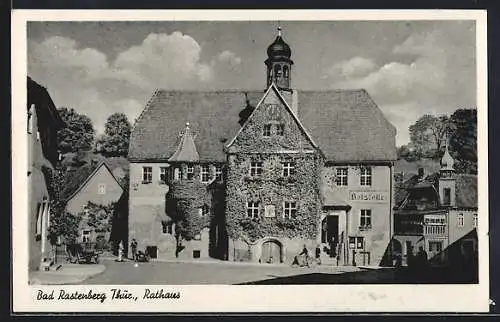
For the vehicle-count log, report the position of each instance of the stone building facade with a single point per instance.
(269, 171)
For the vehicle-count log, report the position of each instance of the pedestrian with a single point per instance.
(133, 247)
(120, 251)
(305, 254)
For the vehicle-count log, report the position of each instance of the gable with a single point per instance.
(89, 184)
(346, 125)
(272, 111)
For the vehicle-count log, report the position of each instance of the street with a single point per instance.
(228, 273)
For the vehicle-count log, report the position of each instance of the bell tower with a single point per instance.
(279, 64)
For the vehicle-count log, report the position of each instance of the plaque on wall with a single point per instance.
(269, 211)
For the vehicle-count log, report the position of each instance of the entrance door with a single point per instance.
(271, 252)
(330, 234)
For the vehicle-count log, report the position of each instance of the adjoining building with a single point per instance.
(94, 193)
(261, 173)
(43, 123)
(438, 212)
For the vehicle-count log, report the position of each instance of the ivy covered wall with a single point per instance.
(271, 187)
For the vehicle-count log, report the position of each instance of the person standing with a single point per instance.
(120, 251)
(133, 247)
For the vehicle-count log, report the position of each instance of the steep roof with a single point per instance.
(465, 190)
(186, 149)
(38, 95)
(346, 124)
(77, 178)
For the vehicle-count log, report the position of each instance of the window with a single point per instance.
(341, 178)
(163, 175)
(289, 209)
(288, 169)
(101, 189)
(166, 228)
(474, 220)
(267, 130)
(218, 172)
(366, 177)
(176, 173)
(365, 219)
(204, 211)
(86, 236)
(31, 111)
(255, 169)
(147, 174)
(356, 242)
(252, 209)
(447, 196)
(460, 220)
(190, 171)
(435, 246)
(205, 173)
(280, 129)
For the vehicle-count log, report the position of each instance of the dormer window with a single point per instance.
(267, 130)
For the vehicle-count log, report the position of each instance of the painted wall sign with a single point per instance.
(369, 196)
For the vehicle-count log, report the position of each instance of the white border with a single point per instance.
(198, 298)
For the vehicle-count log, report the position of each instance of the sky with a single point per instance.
(410, 68)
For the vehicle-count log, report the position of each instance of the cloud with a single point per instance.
(354, 67)
(440, 76)
(84, 78)
(229, 57)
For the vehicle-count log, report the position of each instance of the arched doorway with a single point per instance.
(271, 252)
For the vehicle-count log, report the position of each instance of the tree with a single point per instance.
(115, 141)
(62, 223)
(463, 140)
(428, 135)
(405, 152)
(78, 134)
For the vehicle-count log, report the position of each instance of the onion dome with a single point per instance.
(447, 161)
(279, 48)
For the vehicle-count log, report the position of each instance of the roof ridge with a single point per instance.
(146, 107)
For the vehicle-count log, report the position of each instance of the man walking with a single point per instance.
(133, 247)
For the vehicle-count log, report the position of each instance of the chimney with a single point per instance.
(421, 172)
